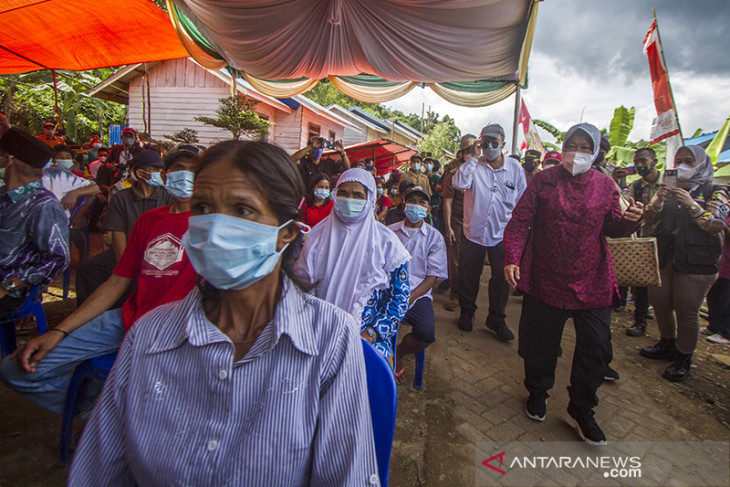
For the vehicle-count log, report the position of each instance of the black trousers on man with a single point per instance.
(471, 265)
(92, 274)
(541, 328)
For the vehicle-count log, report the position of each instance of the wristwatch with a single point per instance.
(371, 333)
(9, 285)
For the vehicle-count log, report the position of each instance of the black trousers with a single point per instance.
(540, 331)
(718, 307)
(471, 265)
(641, 304)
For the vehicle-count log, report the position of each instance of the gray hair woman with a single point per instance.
(248, 380)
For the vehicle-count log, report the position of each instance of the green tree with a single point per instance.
(439, 138)
(28, 99)
(184, 136)
(236, 115)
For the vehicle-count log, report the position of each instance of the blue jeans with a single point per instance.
(47, 386)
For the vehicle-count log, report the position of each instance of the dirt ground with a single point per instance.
(473, 392)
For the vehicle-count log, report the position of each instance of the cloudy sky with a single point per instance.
(587, 59)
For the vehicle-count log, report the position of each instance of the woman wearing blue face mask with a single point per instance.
(383, 203)
(248, 369)
(318, 205)
(358, 264)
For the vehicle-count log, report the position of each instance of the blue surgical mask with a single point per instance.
(380, 191)
(155, 179)
(316, 153)
(180, 184)
(415, 213)
(350, 206)
(65, 163)
(230, 252)
(321, 194)
(416, 167)
(429, 167)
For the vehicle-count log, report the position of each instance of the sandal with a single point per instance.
(400, 376)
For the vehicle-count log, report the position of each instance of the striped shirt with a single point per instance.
(176, 410)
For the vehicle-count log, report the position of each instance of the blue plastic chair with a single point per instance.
(31, 306)
(67, 270)
(383, 400)
(96, 368)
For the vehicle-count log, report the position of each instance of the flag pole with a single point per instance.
(666, 68)
(516, 121)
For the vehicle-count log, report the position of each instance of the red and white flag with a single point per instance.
(532, 138)
(665, 126)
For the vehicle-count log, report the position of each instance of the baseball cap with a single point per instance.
(49, 125)
(492, 130)
(129, 130)
(147, 158)
(26, 148)
(415, 189)
(184, 150)
(554, 155)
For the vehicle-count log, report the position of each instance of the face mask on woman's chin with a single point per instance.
(577, 162)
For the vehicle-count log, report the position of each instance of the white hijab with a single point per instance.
(347, 258)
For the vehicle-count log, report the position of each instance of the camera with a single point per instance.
(327, 144)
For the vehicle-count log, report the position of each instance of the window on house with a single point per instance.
(313, 131)
(332, 136)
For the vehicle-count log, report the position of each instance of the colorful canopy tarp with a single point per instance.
(386, 154)
(470, 52)
(704, 140)
(83, 34)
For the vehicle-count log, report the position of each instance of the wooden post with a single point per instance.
(516, 122)
(59, 115)
(149, 101)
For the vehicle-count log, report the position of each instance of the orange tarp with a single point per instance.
(83, 34)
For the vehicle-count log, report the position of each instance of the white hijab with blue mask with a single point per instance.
(347, 256)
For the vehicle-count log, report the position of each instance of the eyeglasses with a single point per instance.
(490, 144)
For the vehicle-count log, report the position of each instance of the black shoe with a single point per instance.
(504, 334)
(650, 316)
(610, 375)
(465, 322)
(638, 330)
(664, 349)
(618, 309)
(587, 428)
(536, 406)
(444, 286)
(679, 370)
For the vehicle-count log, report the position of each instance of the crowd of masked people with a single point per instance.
(238, 284)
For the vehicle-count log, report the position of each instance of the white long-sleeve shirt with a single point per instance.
(489, 198)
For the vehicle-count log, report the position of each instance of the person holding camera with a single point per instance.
(688, 221)
(310, 162)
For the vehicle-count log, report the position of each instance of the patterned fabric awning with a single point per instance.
(470, 52)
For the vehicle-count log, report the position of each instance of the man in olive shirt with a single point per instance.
(453, 204)
(416, 175)
(642, 190)
(124, 209)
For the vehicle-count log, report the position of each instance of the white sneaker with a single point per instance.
(706, 331)
(717, 338)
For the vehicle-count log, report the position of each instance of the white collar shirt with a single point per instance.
(490, 196)
(428, 253)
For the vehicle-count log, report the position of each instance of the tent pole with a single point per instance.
(515, 123)
(149, 101)
(55, 99)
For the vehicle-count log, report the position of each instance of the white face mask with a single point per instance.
(685, 172)
(577, 162)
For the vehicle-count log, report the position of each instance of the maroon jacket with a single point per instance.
(557, 237)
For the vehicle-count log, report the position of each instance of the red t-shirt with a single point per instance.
(311, 215)
(155, 256)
